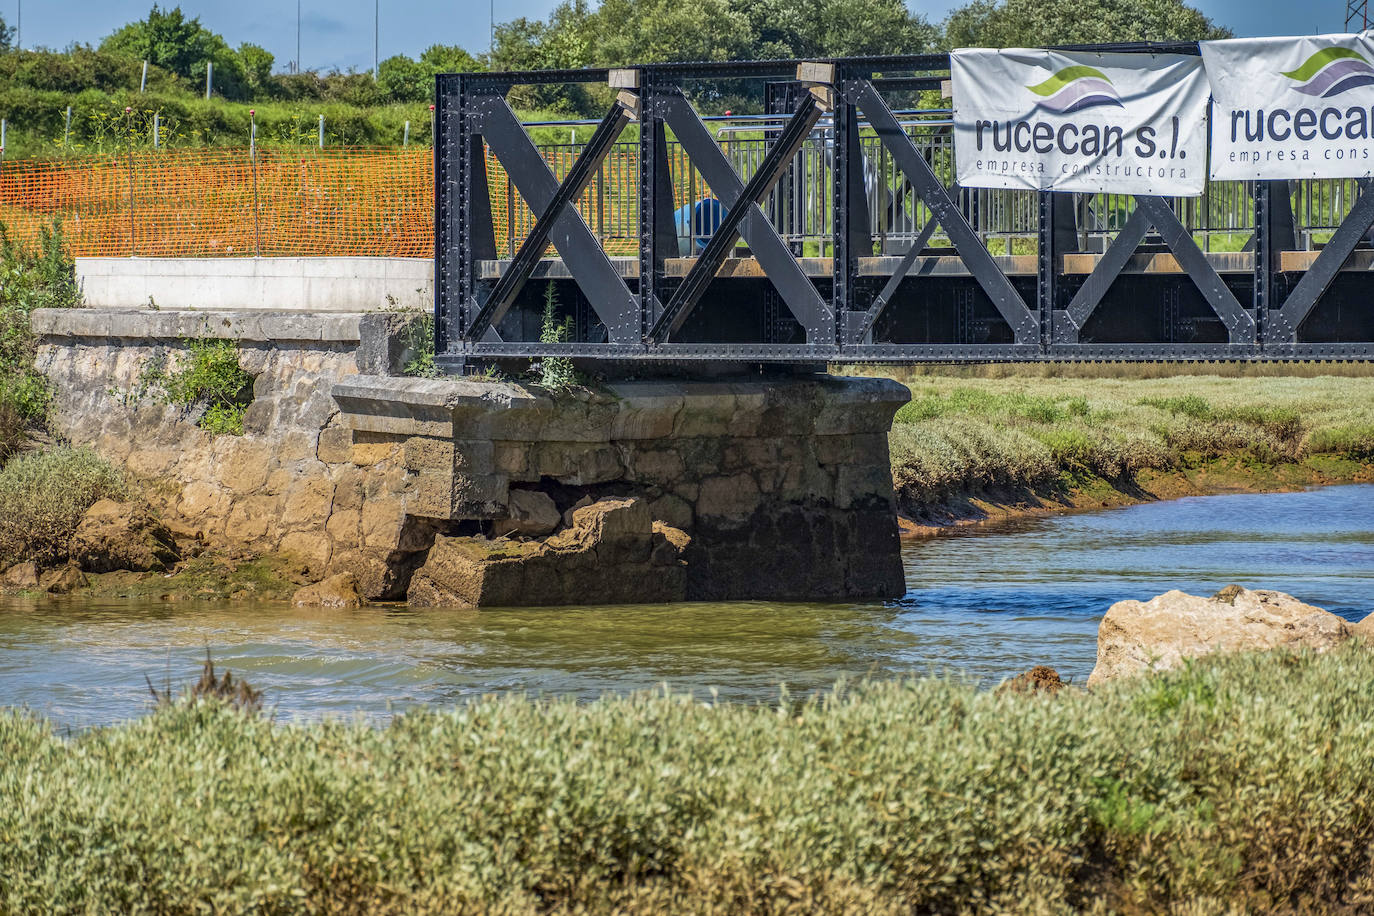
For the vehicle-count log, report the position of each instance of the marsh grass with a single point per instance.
(43, 496)
(962, 434)
(1236, 785)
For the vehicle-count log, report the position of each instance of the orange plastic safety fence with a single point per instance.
(295, 202)
(210, 202)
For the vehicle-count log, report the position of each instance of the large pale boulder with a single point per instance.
(1364, 630)
(119, 535)
(1139, 636)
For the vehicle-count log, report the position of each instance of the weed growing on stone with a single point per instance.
(555, 373)
(1241, 784)
(209, 374)
(421, 343)
(42, 498)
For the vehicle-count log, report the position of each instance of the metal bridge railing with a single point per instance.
(801, 207)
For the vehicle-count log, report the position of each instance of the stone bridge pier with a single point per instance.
(462, 492)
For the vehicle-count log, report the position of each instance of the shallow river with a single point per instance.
(985, 603)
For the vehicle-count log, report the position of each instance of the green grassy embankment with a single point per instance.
(1239, 785)
(1000, 440)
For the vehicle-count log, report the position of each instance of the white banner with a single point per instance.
(1291, 107)
(1075, 121)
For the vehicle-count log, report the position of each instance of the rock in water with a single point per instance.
(1139, 636)
(22, 575)
(1040, 679)
(117, 535)
(337, 591)
(62, 580)
(1364, 629)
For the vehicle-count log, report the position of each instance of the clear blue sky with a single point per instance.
(338, 33)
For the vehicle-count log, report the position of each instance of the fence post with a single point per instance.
(405, 138)
(321, 131)
(253, 159)
(209, 71)
(129, 140)
(157, 124)
(143, 82)
(67, 131)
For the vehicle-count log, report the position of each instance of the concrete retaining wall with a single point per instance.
(290, 284)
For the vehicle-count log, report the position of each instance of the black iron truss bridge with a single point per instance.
(827, 227)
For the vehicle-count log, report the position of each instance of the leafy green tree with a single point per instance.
(182, 46)
(1038, 23)
(405, 80)
(256, 62)
(6, 37)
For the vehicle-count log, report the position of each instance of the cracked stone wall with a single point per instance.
(295, 482)
(784, 484)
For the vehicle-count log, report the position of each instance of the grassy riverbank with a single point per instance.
(969, 445)
(922, 796)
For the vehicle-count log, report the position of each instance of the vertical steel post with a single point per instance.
(67, 131)
(321, 131)
(1045, 272)
(209, 71)
(157, 125)
(1264, 268)
(657, 225)
(143, 82)
(405, 136)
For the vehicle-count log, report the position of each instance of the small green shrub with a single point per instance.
(421, 342)
(42, 498)
(555, 373)
(44, 277)
(1189, 405)
(1353, 442)
(208, 374)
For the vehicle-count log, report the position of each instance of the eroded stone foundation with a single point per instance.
(781, 488)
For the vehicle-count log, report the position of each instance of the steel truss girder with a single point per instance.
(1317, 279)
(797, 292)
(532, 249)
(607, 293)
(971, 251)
(1155, 211)
(699, 277)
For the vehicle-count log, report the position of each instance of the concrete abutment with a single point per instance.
(654, 490)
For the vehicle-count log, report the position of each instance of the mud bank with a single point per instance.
(992, 505)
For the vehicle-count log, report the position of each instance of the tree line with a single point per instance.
(578, 33)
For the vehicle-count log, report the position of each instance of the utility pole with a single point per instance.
(19, 28)
(491, 27)
(376, 29)
(1356, 15)
(298, 36)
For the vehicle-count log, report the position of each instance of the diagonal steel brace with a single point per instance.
(779, 158)
(607, 293)
(972, 252)
(793, 286)
(532, 248)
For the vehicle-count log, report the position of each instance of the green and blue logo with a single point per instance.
(1074, 89)
(1331, 71)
